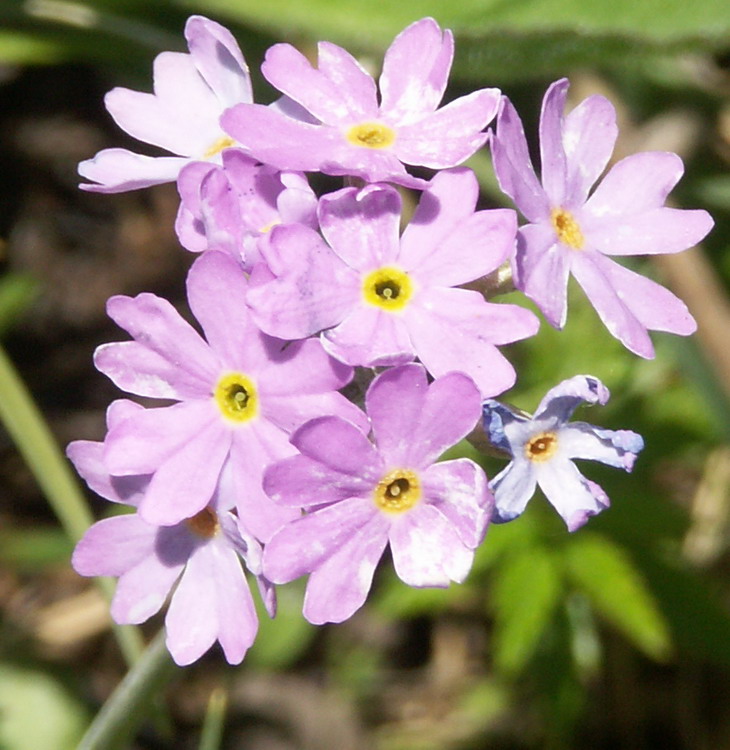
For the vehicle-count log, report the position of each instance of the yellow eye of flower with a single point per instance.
(236, 397)
(542, 446)
(567, 229)
(371, 135)
(398, 491)
(216, 147)
(388, 288)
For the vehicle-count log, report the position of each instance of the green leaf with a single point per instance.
(37, 712)
(605, 573)
(527, 590)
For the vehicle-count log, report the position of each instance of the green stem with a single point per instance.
(212, 733)
(32, 436)
(118, 720)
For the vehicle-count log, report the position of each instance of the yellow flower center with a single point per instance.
(268, 227)
(236, 397)
(398, 491)
(388, 288)
(542, 446)
(567, 229)
(204, 524)
(371, 135)
(225, 141)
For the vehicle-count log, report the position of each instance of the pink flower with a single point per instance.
(341, 128)
(362, 496)
(197, 560)
(232, 207)
(572, 232)
(182, 116)
(381, 300)
(237, 397)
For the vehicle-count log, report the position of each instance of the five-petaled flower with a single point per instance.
(543, 448)
(572, 232)
(361, 496)
(338, 126)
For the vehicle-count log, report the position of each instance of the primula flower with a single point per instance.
(380, 300)
(198, 560)
(572, 232)
(345, 130)
(543, 448)
(182, 116)
(238, 395)
(361, 496)
(233, 207)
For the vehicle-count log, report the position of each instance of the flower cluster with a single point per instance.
(258, 462)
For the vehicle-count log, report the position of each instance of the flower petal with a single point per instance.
(552, 150)
(415, 70)
(559, 403)
(513, 487)
(355, 87)
(513, 166)
(117, 170)
(427, 550)
(617, 448)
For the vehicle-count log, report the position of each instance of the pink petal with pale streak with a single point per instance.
(142, 590)
(472, 249)
(181, 116)
(306, 543)
(513, 166)
(415, 70)
(315, 291)
(543, 271)
(192, 619)
(340, 446)
(299, 368)
(116, 170)
(589, 135)
(370, 337)
(426, 549)
(291, 412)
(113, 546)
(362, 226)
(217, 288)
(457, 325)
(451, 410)
(339, 587)
(552, 150)
(634, 185)
(87, 457)
(654, 306)
(658, 230)
(460, 491)
(254, 448)
(290, 72)
(137, 369)
(185, 483)
(301, 482)
(156, 324)
(144, 440)
(612, 308)
(450, 134)
(219, 61)
(571, 494)
(394, 402)
(355, 87)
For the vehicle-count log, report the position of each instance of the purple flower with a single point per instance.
(233, 207)
(200, 558)
(380, 300)
(182, 116)
(572, 232)
(238, 395)
(361, 496)
(543, 448)
(338, 125)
